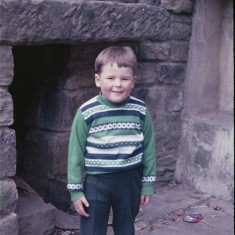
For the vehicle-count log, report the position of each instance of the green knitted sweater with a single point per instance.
(109, 137)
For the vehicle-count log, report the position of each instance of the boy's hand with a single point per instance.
(145, 199)
(79, 206)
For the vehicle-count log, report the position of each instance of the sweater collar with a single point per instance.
(110, 103)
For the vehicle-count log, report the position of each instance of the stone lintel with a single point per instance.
(43, 22)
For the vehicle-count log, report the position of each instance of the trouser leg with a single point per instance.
(126, 201)
(98, 196)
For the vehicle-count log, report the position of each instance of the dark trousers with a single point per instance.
(119, 191)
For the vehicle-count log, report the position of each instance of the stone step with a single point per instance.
(35, 216)
(39, 218)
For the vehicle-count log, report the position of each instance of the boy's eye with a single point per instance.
(110, 78)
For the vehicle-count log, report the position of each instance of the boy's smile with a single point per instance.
(116, 83)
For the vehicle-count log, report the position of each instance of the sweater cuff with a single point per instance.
(147, 189)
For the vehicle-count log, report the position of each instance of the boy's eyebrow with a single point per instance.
(126, 76)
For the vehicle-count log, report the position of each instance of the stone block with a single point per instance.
(173, 122)
(7, 152)
(84, 54)
(146, 73)
(180, 31)
(6, 65)
(206, 156)
(154, 50)
(6, 107)
(166, 160)
(174, 100)
(181, 19)
(22, 22)
(179, 51)
(165, 177)
(45, 155)
(172, 131)
(153, 96)
(55, 109)
(67, 66)
(166, 165)
(9, 225)
(179, 6)
(168, 132)
(79, 78)
(35, 216)
(8, 196)
(171, 73)
(151, 2)
(122, 1)
(167, 141)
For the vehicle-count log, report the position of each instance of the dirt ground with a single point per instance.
(166, 214)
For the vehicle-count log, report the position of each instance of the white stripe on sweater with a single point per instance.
(122, 150)
(115, 139)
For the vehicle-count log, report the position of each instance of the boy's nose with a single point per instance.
(118, 82)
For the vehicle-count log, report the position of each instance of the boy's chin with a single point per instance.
(118, 99)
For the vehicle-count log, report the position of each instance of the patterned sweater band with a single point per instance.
(145, 179)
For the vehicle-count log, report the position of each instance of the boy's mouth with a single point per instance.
(117, 92)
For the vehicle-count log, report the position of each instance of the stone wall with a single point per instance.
(8, 192)
(68, 35)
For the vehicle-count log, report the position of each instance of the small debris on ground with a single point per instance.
(193, 218)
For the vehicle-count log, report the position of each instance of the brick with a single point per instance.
(35, 216)
(55, 109)
(180, 31)
(168, 132)
(7, 152)
(179, 51)
(6, 65)
(146, 73)
(84, 77)
(6, 108)
(174, 100)
(179, 6)
(9, 225)
(151, 2)
(8, 196)
(171, 73)
(45, 156)
(154, 50)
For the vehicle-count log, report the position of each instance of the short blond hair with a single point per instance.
(123, 56)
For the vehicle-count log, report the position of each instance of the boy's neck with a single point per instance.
(112, 104)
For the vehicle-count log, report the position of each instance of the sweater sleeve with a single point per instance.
(149, 158)
(76, 151)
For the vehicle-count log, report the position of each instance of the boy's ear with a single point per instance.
(135, 79)
(97, 80)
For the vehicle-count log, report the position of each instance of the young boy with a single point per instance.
(112, 141)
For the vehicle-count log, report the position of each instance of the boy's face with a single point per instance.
(116, 83)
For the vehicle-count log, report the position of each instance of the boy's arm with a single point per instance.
(76, 151)
(149, 158)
